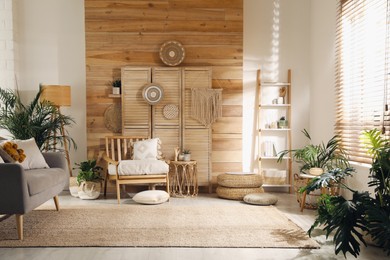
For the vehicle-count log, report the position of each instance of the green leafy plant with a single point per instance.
(326, 156)
(39, 119)
(89, 171)
(116, 83)
(186, 152)
(351, 219)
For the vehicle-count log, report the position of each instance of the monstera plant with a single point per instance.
(38, 119)
(351, 220)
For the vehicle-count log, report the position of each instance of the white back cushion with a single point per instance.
(146, 149)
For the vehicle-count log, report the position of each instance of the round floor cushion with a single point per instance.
(151, 197)
(240, 180)
(263, 199)
(236, 193)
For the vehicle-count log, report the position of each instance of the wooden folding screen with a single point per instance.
(141, 119)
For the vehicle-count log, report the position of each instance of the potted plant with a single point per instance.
(187, 155)
(116, 86)
(89, 180)
(352, 219)
(39, 119)
(282, 123)
(314, 159)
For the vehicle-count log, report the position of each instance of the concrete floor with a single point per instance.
(287, 204)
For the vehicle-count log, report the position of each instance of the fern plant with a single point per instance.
(39, 119)
(351, 219)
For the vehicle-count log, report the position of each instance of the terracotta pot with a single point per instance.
(89, 190)
(316, 171)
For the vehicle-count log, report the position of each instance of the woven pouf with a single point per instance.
(236, 193)
(240, 180)
(263, 199)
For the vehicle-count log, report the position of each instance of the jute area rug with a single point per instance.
(162, 225)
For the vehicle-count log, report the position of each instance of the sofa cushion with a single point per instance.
(39, 180)
(145, 149)
(34, 158)
(139, 167)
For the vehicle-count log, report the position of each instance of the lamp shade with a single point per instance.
(58, 94)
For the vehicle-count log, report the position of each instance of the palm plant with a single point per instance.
(323, 156)
(351, 219)
(39, 119)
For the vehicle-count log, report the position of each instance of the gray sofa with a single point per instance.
(23, 190)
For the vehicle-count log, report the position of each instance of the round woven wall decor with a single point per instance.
(113, 118)
(172, 53)
(170, 111)
(152, 93)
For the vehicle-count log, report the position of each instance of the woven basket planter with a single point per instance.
(236, 193)
(240, 180)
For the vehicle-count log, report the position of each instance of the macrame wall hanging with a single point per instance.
(206, 105)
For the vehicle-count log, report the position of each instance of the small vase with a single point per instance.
(187, 157)
(316, 171)
(181, 157)
(89, 190)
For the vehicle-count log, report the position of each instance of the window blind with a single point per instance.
(362, 67)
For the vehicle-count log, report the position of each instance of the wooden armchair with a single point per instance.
(119, 151)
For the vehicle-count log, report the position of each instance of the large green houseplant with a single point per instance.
(324, 156)
(351, 219)
(38, 119)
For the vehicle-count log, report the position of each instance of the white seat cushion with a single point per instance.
(151, 197)
(139, 167)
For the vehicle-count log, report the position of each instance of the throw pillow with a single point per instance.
(34, 158)
(146, 149)
(5, 155)
(263, 199)
(151, 197)
(11, 152)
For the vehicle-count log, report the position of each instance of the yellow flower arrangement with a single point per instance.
(14, 152)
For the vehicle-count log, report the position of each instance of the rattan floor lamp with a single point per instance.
(60, 96)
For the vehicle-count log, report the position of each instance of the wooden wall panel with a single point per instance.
(130, 32)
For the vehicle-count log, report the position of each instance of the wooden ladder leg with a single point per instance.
(56, 202)
(118, 192)
(303, 202)
(19, 225)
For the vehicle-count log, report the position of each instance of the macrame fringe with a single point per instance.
(206, 105)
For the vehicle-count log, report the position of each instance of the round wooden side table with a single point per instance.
(183, 178)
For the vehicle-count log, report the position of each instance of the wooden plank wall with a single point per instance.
(130, 32)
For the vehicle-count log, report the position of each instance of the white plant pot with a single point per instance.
(187, 157)
(316, 171)
(73, 187)
(116, 91)
(89, 190)
(74, 191)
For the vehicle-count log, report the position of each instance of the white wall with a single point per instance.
(7, 59)
(51, 50)
(272, 51)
